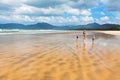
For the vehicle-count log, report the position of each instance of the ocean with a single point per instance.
(19, 31)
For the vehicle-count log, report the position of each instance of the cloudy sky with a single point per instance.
(60, 12)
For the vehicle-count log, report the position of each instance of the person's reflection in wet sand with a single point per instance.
(93, 44)
(93, 38)
(84, 47)
(84, 42)
(77, 44)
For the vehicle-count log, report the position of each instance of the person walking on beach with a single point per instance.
(84, 34)
(76, 36)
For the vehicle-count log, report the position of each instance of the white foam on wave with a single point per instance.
(17, 31)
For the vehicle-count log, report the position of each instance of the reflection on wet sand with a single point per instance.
(93, 44)
(84, 46)
(77, 44)
(58, 57)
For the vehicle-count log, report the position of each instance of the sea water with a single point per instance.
(22, 31)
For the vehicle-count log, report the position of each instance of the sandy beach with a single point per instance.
(110, 32)
(60, 56)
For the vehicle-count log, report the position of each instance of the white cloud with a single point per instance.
(55, 20)
(58, 20)
(86, 12)
(51, 11)
(70, 10)
(105, 18)
(87, 19)
(57, 11)
(112, 5)
(102, 13)
(34, 11)
(117, 15)
(116, 19)
(11, 2)
(80, 4)
(16, 19)
(24, 9)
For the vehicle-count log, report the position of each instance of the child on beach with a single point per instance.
(76, 36)
(93, 38)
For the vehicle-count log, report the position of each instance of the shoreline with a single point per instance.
(57, 32)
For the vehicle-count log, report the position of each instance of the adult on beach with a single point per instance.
(84, 34)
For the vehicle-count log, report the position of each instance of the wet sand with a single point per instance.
(59, 57)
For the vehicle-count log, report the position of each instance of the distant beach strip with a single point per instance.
(110, 32)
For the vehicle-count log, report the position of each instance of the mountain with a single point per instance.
(110, 26)
(91, 26)
(22, 26)
(88, 26)
(96, 26)
(40, 26)
(12, 26)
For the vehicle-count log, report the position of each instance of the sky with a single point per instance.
(60, 12)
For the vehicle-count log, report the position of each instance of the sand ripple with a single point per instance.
(58, 57)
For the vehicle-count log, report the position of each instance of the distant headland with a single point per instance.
(46, 26)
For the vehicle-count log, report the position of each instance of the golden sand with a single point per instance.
(58, 57)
